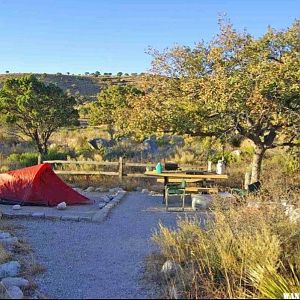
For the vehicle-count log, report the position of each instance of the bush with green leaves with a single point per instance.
(28, 159)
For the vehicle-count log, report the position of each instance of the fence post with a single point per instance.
(121, 165)
(247, 180)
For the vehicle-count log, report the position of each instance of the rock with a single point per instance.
(150, 145)
(9, 241)
(90, 189)
(236, 152)
(115, 190)
(15, 281)
(293, 214)
(101, 189)
(138, 189)
(78, 190)
(100, 143)
(10, 269)
(253, 204)
(107, 198)
(101, 205)
(62, 206)
(16, 207)
(152, 193)
(14, 292)
(4, 235)
(170, 268)
(144, 191)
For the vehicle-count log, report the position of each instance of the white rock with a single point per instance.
(14, 292)
(113, 190)
(144, 191)
(170, 268)
(15, 281)
(62, 206)
(90, 189)
(253, 204)
(107, 198)
(16, 207)
(152, 193)
(4, 235)
(77, 189)
(294, 215)
(10, 269)
(236, 152)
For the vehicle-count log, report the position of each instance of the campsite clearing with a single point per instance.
(90, 260)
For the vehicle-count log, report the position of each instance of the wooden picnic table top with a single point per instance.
(183, 175)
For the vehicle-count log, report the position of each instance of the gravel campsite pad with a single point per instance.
(96, 211)
(91, 260)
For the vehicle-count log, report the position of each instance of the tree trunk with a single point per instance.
(256, 163)
(111, 133)
(41, 147)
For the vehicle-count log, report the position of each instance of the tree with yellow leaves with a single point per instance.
(236, 84)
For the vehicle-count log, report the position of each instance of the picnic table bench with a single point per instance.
(167, 177)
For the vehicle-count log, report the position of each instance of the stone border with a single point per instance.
(104, 212)
(98, 217)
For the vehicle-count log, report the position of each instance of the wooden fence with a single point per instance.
(122, 168)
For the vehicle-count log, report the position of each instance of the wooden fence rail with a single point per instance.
(121, 167)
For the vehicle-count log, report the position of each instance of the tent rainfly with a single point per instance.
(37, 185)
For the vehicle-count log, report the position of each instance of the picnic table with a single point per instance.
(177, 176)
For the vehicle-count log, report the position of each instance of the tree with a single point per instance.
(234, 85)
(86, 73)
(119, 74)
(110, 104)
(6, 72)
(36, 109)
(97, 73)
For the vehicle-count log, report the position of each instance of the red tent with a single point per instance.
(37, 185)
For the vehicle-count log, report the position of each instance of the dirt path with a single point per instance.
(88, 260)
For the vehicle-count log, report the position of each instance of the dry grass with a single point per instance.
(4, 255)
(243, 252)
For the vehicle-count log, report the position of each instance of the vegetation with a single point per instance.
(109, 106)
(37, 110)
(236, 84)
(243, 252)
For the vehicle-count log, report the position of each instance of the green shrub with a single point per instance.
(28, 159)
(227, 155)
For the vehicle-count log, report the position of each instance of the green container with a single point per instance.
(159, 168)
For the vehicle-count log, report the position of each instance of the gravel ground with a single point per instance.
(89, 260)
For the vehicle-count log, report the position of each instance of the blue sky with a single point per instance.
(112, 35)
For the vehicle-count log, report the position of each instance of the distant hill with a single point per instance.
(87, 86)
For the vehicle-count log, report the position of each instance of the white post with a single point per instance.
(247, 180)
(209, 165)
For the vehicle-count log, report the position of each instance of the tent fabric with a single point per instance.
(37, 185)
